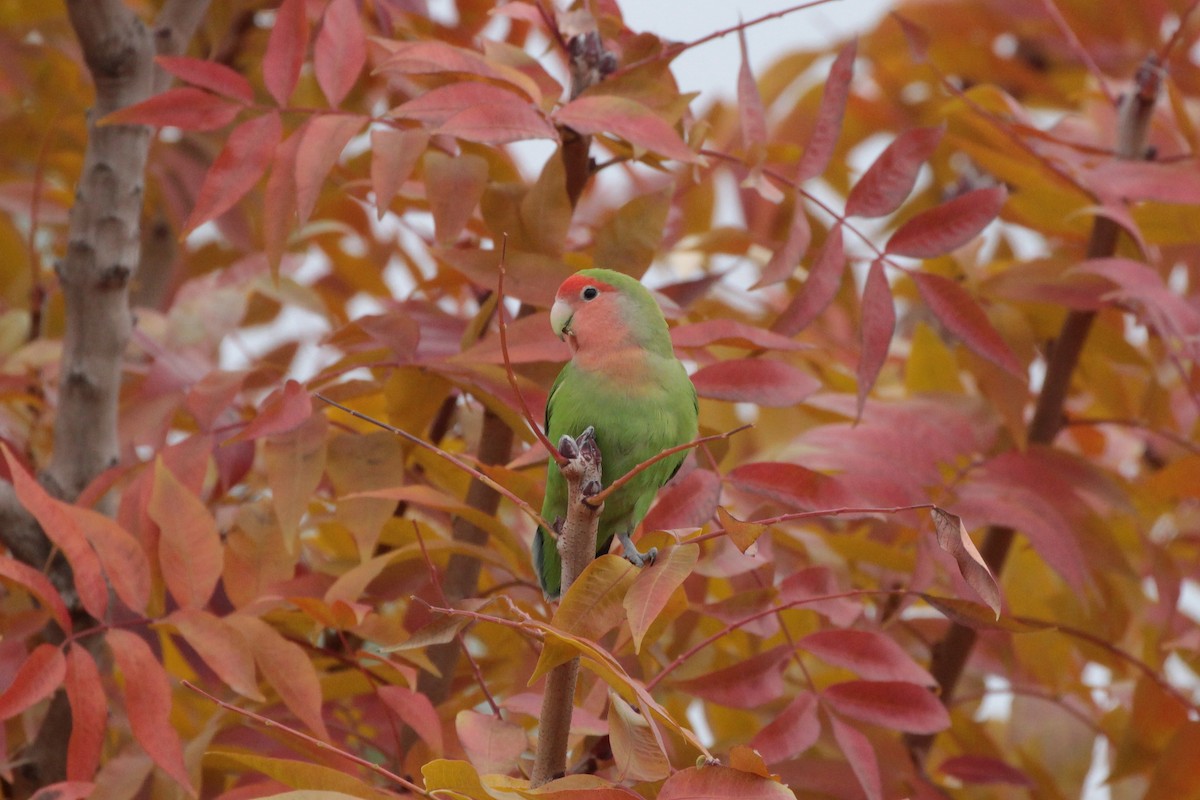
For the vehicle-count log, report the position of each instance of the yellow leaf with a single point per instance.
(458, 779)
(638, 755)
(592, 605)
(310, 776)
(295, 462)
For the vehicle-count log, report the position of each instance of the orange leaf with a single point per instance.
(324, 138)
(742, 534)
(147, 693)
(285, 50)
(239, 165)
(341, 50)
(60, 528)
(89, 714)
(287, 668)
(209, 75)
(650, 593)
(393, 155)
(635, 749)
(39, 586)
(189, 549)
(952, 224)
(38, 677)
(722, 783)
(629, 119)
(415, 711)
(730, 333)
(222, 647)
(184, 107)
(124, 560)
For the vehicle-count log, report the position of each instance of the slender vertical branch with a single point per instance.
(577, 546)
(1136, 109)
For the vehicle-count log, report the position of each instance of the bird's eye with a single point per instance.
(590, 293)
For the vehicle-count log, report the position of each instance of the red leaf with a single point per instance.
(89, 714)
(279, 198)
(239, 165)
(750, 105)
(749, 683)
(284, 410)
(799, 589)
(721, 783)
(285, 50)
(829, 115)
(786, 258)
(983, 769)
(794, 730)
(731, 333)
(953, 538)
(184, 107)
(819, 289)
(789, 484)
(952, 224)
(755, 380)
(892, 704)
(860, 755)
(878, 326)
(687, 502)
(393, 155)
(629, 119)
(325, 137)
(60, 527)
(222, 647)
(415, 711)
(870, 654)
(147, 693)
(287, 668)
(478, 112)
(189, 547)
(124, 560)
(341, 50)
(208, 75)
(38, 677)
(39, 586)
(963, 317)
(888, 181)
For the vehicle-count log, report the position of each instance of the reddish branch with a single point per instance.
(950, 655)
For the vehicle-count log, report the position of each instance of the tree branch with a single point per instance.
(577, 546)
(951, 653)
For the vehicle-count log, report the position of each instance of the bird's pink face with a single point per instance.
(582, 304)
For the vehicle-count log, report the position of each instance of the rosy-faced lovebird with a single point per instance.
(624, 381)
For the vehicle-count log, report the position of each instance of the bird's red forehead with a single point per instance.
(575, 284)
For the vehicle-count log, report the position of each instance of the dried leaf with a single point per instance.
(952, 537)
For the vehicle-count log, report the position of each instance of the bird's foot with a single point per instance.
(567, 448)
(635, 556)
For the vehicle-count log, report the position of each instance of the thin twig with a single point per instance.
(1073, 41)
(508, 369)
(1165, 52)
(317, 743)
(440, 453)
(598, 499)
(827, 512)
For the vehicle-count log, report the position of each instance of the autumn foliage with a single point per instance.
(949, 271)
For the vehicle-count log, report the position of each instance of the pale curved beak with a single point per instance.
(560, 318)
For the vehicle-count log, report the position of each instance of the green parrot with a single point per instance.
(624, 381)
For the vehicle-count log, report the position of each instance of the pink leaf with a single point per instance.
(721, 783)
(65, 790)
(878, 326)
(984, 769)
(888, 181)
(60, 527)
(794, 730)
(952, 224)
(492, 744)
(415, 711)
(239, 165)
(814, 588)
(953, 538)
(478, 112)
(341, 50)
(39, 586)
(222, 648)
(1143, 180)
(325, 137)
(750, 683)
(819, 289)
(147, 693)
(860, 755)
(686, 502)
(654, 586)
(829, 115)
(284, 410)
(89, 714)
(38, 677)
(892, 704)
(629, 119)
(285, 50)
(394, 153)
(730, 333)
(963, 317)
(184, 107)
(786, 258)
(750, 105)
(789, 484)
(870, 654)
(755, 380)
(124, 560)
(189, 548)
(208, 75)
